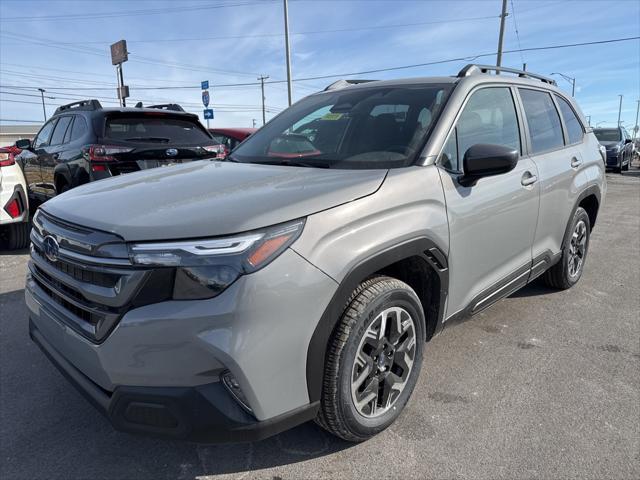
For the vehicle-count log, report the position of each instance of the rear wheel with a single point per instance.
(373, 359)
(566, 273)
(17, 235)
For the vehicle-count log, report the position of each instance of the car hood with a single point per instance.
(206, 198)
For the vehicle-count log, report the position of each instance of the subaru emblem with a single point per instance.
(51, 248)
(172, 152)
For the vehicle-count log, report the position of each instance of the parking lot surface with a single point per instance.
(544, 384)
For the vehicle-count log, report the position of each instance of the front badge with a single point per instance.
(51, 248)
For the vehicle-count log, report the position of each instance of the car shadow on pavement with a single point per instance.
(45, 420)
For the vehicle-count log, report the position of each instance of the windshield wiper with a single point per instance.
(148, 139)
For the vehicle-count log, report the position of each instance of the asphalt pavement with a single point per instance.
(544, 384)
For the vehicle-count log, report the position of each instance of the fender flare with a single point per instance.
(62, 170)
(592, 190)
(422, 247)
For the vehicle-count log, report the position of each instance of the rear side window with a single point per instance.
(79, 128)
(571, 122)
(155, 129)
(543, 120)
(60, 130)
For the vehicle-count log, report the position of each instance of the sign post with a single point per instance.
(119, 55)
(208, 113)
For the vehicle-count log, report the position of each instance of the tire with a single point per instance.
(18, 235)
(626, 167)
(363, 314)
(565, 274)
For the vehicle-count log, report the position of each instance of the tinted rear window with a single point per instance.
(545, 129)
(607, 134)
(155, 129)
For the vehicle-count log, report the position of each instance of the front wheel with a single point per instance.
(566, 273)
(373, 359)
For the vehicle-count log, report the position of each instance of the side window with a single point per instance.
(449, 156)
(574, 127)
(60, 130)
(42, 139)
(67, 136)
(543, 119)
(79, 128)
(488, 117)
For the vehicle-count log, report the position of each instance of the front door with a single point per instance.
(492, 223)
(31, 159)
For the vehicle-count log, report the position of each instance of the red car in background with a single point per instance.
(228, 138)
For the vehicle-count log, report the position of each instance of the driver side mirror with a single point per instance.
(485, 160)
(628, 140)
(23, 144)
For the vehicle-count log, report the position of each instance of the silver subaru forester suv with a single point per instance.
(301, 278)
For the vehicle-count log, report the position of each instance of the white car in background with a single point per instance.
(14, 203)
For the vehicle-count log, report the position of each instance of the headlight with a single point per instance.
(206, 267)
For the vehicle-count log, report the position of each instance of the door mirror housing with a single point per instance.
(628, 140)
(23, 144)
(486, 160)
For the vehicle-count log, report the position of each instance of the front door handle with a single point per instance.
(575, 163)
(528, 179)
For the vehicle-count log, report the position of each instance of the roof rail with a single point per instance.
(163, 106)
(81, 105)
(342, 83)
(473, 69)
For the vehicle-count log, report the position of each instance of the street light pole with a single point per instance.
(503, 17)
(288, 48)
(569, 79)
(589, 119)
(44, 110)
(635, 127)
(262, 78)
(619, 110)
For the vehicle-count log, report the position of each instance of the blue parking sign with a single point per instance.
(208, 114)
(205, 85)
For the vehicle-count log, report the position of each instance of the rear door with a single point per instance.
(51, 157)
(491, 224)
(555, 147)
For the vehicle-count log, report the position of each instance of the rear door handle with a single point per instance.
(528, 179)
(575, 163)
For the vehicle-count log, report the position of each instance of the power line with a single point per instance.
(363, 72)
(515, 26)
(271, 35)
(128, 13)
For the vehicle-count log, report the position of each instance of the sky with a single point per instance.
(62, 46)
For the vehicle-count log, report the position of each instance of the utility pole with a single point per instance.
(44, 110)
(288, 48)
(503, 17)
(262, 78)
(524, 67)
(635, 127)
(254, 122)
(620, 110)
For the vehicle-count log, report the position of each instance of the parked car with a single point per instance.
(14, 203)
(233, 300)
(229, 138)
(83, 142)
(619, 147)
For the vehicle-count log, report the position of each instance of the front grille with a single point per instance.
(79, 312)
(81, 274)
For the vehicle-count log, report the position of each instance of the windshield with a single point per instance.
(607, 134)
(153, 128)
(364, 128)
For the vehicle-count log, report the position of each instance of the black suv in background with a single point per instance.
(83, 142)
(619, 147)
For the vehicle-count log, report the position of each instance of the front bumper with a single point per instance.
(614, 159)
(205, 413)
(259, 329)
